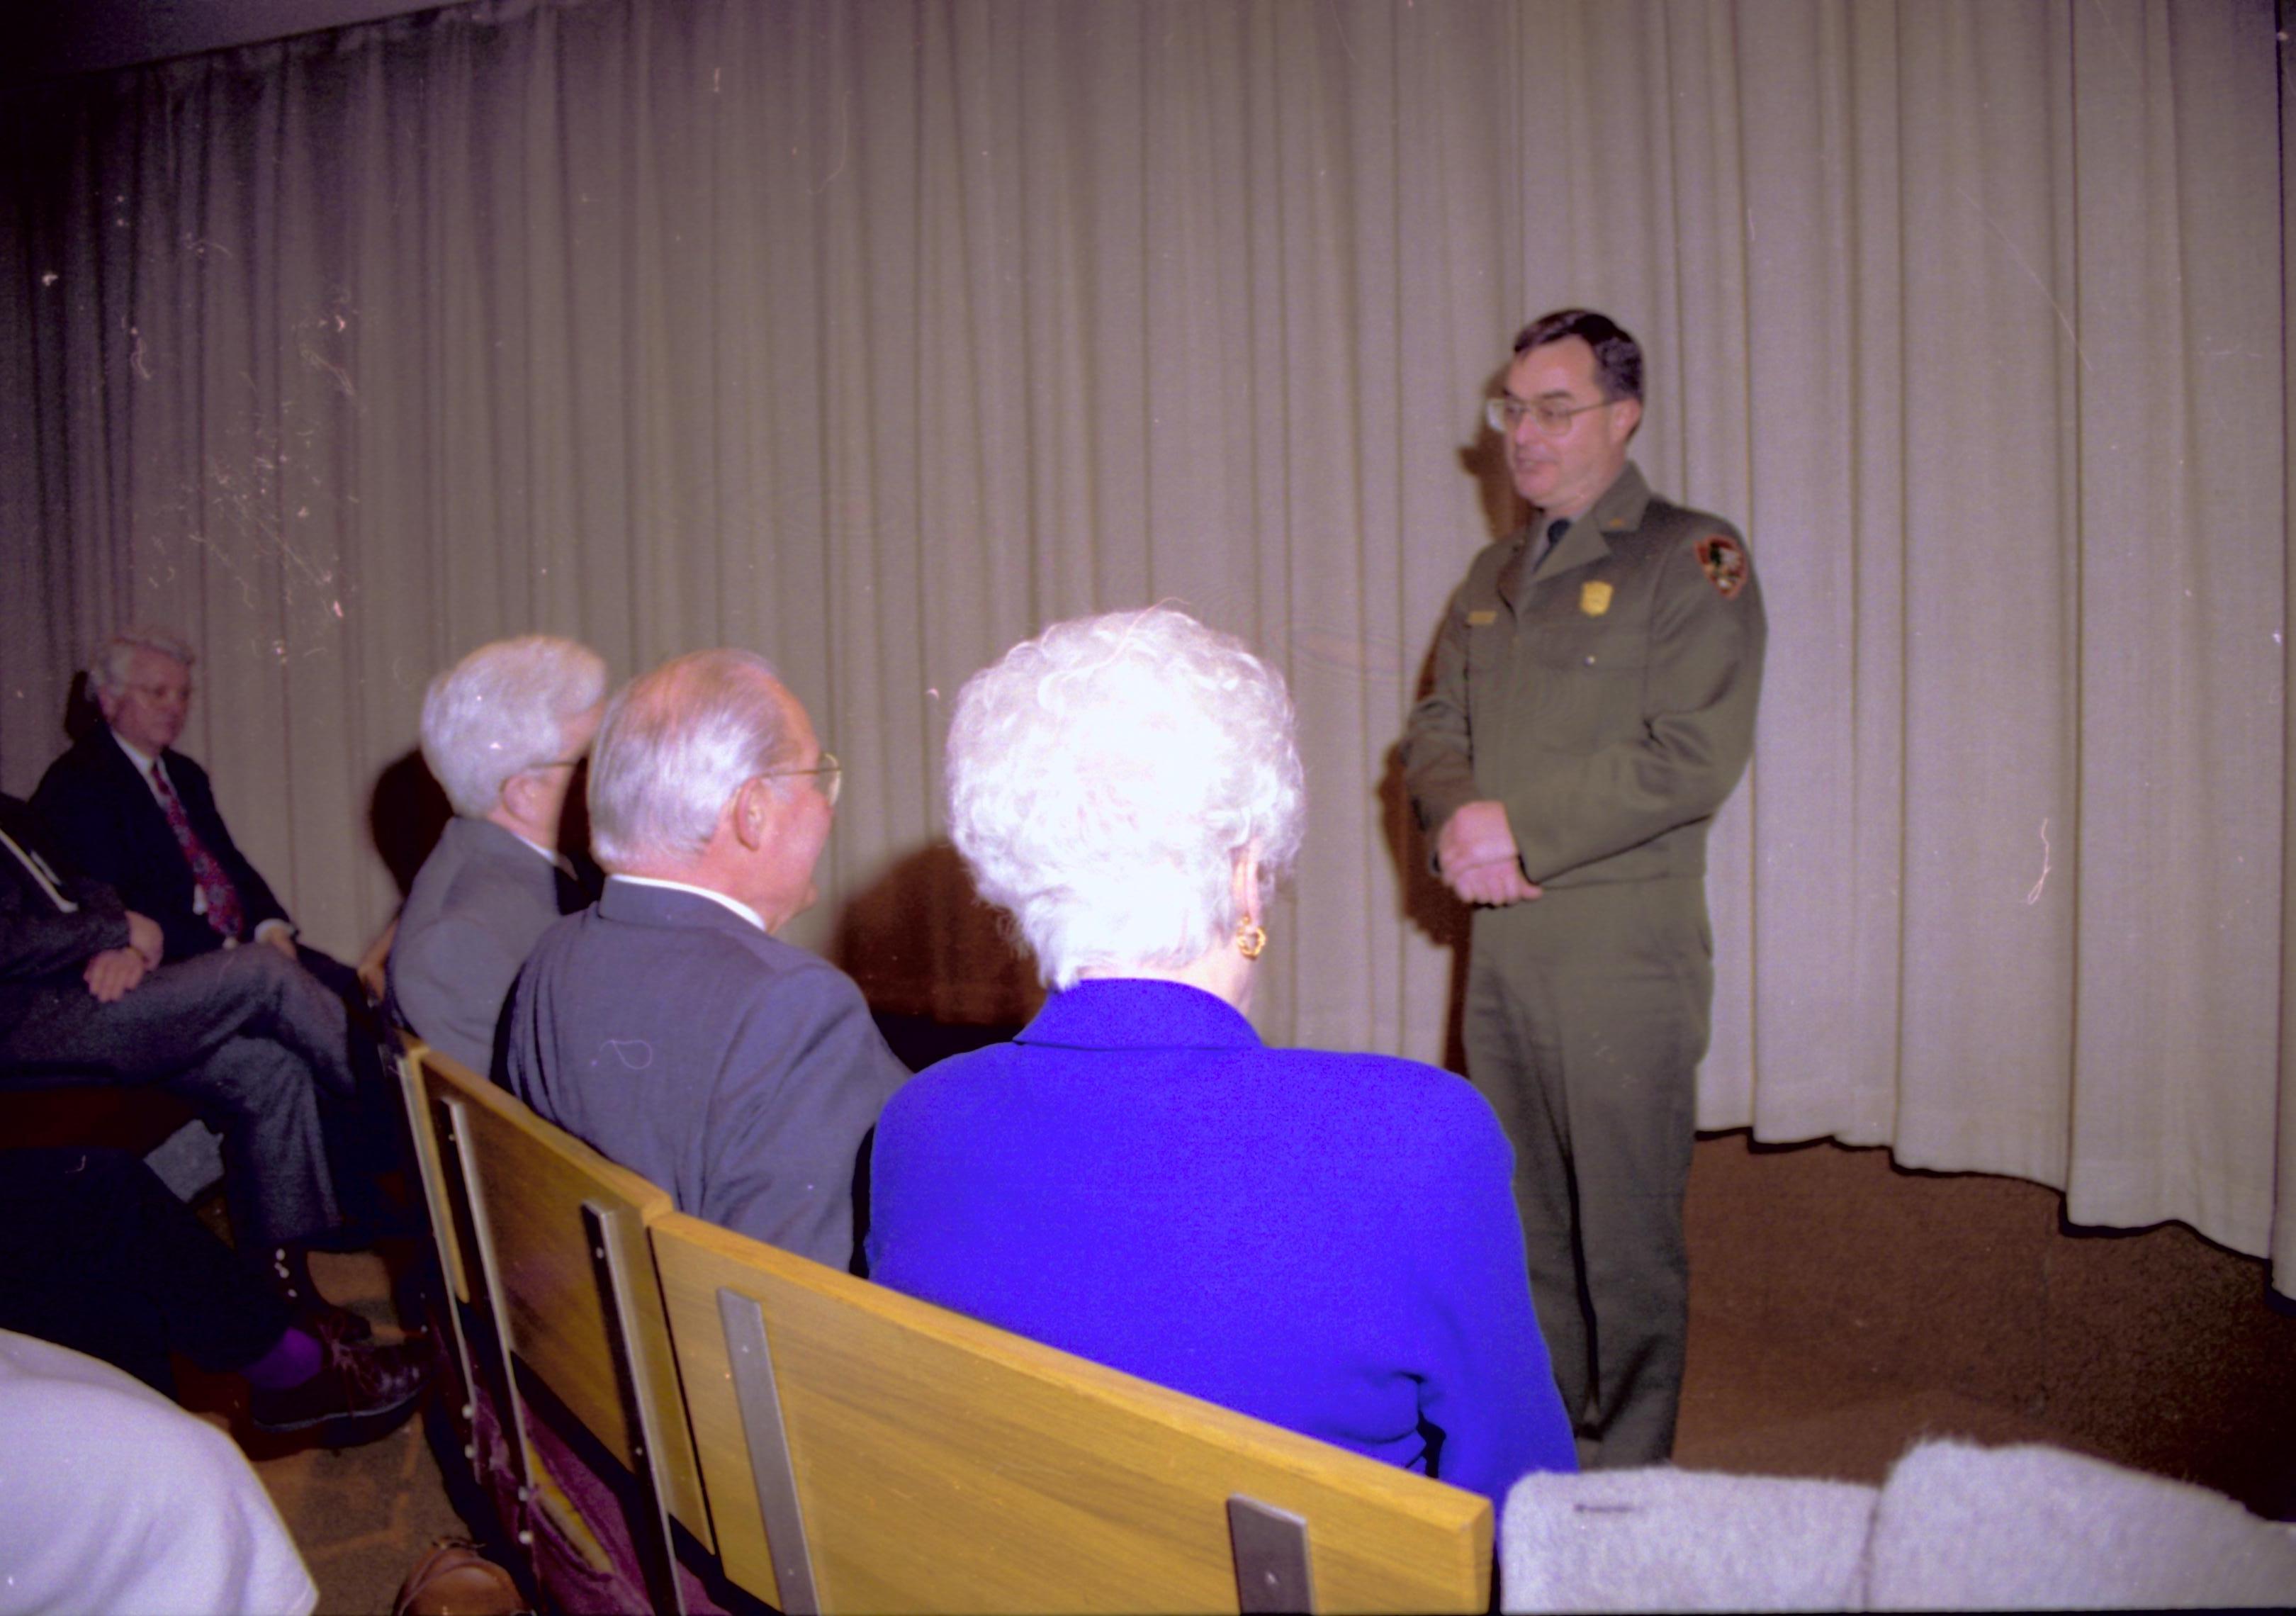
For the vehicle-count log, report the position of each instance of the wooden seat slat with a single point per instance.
(535, 1180)
(945, 1464)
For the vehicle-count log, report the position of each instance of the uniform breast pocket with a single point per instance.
(1487, 653)
(1587, 684)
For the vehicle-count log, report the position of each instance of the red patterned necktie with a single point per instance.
(222, 897)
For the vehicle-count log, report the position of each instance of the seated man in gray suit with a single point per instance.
(504, 731)
(666, 1025)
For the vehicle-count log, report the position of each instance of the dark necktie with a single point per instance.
(222, 898)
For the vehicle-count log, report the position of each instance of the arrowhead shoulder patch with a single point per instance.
(1724, 559)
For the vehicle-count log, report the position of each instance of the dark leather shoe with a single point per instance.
(361, 1391)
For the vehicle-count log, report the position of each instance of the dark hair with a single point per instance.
(1618, 356)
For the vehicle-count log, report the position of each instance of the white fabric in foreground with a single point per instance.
(112, 1499)
(1666, 1539)
(1957, 1527)
(1965, 1527)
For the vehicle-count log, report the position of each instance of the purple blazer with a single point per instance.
(1326, 1241)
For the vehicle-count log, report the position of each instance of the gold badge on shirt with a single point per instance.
(1595, 598)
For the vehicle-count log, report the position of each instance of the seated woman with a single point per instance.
(1326, 1241)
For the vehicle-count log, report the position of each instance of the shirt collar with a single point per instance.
(1618, 510)
(733, 903)
(549, 855)
(136, 755)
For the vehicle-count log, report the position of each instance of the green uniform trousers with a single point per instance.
(1586, 1014)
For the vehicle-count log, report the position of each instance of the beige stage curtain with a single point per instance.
(876, 335)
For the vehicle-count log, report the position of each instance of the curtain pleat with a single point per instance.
(874, 336)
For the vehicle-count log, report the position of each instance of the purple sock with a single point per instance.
(295, 1359)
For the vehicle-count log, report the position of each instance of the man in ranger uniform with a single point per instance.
(1592, 706)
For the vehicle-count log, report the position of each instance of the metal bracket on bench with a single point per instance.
(445, 1231)
(481, 1273)
(649, 1527)
(1271, 1557)
(751, 1358)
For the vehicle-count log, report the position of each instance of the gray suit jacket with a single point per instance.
(740, 1073)
(477, 905)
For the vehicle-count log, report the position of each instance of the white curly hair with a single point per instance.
(1104, 777)
(503, 709)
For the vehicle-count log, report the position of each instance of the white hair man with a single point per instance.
(133, 815)
(504, 731)
(129, 810)
(666, 1025)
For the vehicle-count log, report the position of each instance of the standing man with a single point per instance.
(666, 1026)
(1592, 706)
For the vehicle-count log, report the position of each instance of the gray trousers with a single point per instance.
(1586, 1014)
(243, 1035)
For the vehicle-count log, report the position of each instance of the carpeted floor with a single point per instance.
(1840, 1308)
(361, 1516)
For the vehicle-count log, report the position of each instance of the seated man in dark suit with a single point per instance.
(666, 1025)
(128, 810)
(504, 731)
(245, 1036)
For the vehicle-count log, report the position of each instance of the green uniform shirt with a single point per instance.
(1605, 696)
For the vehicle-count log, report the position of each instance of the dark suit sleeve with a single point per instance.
(88, 817)
(449, 982)
(805, 1081)
(101, 814)
(74, 818)
(38, 940)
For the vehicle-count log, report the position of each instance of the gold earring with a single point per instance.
(1250, 937)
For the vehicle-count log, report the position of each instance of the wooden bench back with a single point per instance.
(939, 1464)
(436, 1194)
(534, 1180)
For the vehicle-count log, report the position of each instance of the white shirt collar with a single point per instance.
(136, 755)
(734, 904)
